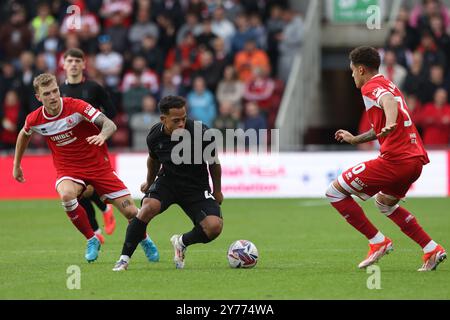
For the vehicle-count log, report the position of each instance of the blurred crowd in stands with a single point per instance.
(416, 57)
(229, 58)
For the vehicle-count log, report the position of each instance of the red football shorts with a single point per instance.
(392, 178)
(106, 183)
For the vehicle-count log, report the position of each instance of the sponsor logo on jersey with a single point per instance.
(90, 110)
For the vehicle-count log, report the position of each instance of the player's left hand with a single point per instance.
(97, 140)
(218, 196)
(387, 130)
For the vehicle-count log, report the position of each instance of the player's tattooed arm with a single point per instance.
(365, 137)
(21, 145)
(153, 166)
(345, 136)
(216, 176)
(108, 128)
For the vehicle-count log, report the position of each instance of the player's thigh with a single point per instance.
(160, 191)
(365, 179)
(125, 205)
(108, 186)
(404, 175)
(69, 189)
(199, 205)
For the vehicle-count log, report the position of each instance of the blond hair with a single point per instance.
(43, 80)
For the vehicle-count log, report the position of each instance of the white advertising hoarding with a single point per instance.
(289, 175)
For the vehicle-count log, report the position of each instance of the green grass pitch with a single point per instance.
(307, 251)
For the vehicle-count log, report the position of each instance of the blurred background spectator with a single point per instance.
(218, 54)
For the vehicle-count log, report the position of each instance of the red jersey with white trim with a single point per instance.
(404, 142)
(66, 135)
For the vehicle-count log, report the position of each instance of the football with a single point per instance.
(242, 254)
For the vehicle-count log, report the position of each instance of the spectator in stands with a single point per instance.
(402, 53)
(437, 80)
(275, 25)
(137, 83)
(432, 54)
(9, 79)
(223, 27)
(209, 70)
(410, 35)
(415, 78)
(50, 47)
(201, 104)
(15, 36)
(228, 118)
(198, 7)
(141, 28)
(248, 59)
(290, 42)
(260, 89)
(109, 63)
(232, 9)
(254, 120)
(207, 36)
(186, 55)
(170, 84)
(9, 120)
(141, 122)
(27, 73)
(110, 7)
(152, 53)
(192, 25)
(230, 88)
(118, 32)
(441, 36)
(221, 56)
(421, 14)
(392, 70)
(140, 75)
(167, 33)
(170, 8)
(41, 23)
(258, 30)
(435, 120)
(243, 34)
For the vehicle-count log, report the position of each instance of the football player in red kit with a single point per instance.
(80, 157)
(389, 176)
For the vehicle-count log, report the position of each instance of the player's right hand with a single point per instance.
(144, 187)
(18, 174)
(344, 136)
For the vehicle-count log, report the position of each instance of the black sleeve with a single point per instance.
(150, 139)
(105, 102)
(206, 143)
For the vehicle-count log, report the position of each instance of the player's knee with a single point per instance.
(385, 209)
(68, 195)
(333, 194)
(213, 228)
(150, 208)
(70, 205)
(130, 212)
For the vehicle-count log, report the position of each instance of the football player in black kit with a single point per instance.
(77, 86)
(185, 184)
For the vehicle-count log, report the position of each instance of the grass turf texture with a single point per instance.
(307, 251)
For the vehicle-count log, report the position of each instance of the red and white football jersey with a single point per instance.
(404, 142)
(66, 135)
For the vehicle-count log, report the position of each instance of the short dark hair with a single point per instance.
(366, 56)
(170, 102)
(74, 52)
